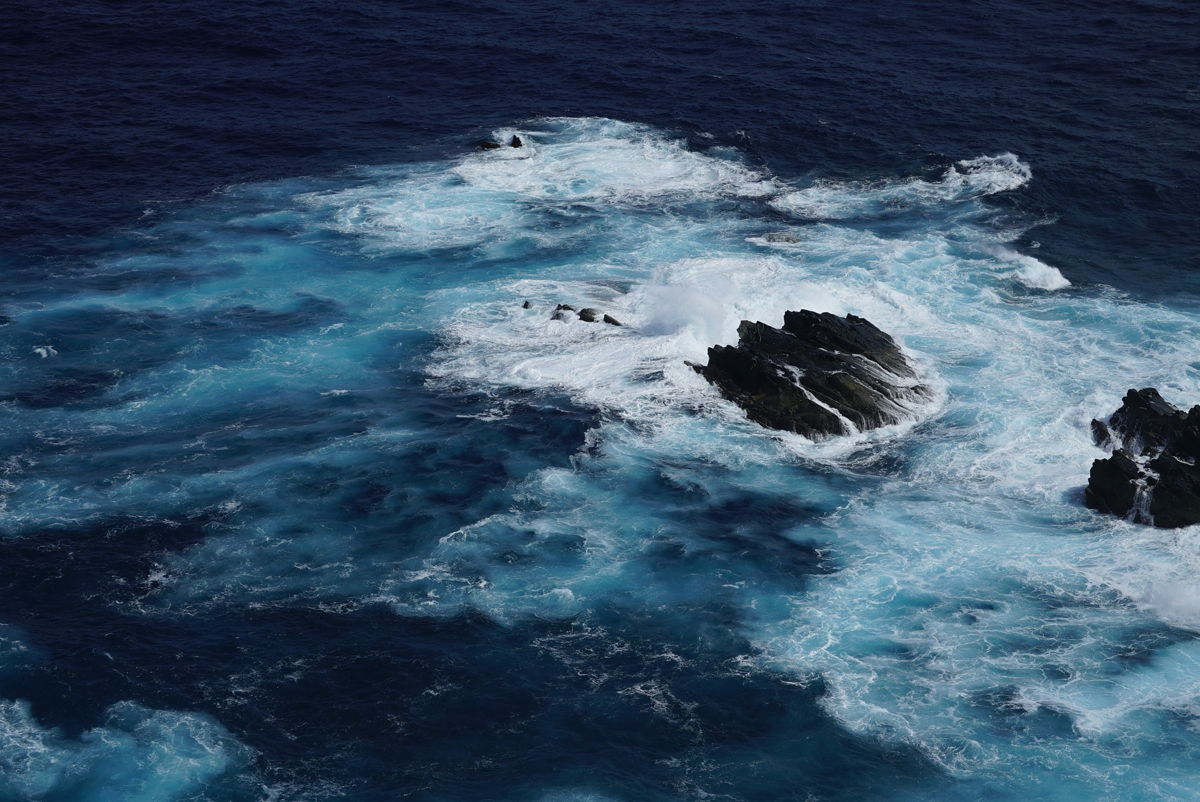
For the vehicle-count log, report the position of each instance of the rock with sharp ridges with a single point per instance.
(820, 375)
(1152, 476)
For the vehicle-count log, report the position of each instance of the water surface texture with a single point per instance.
(306, 495)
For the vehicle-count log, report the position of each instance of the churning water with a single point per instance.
(312, 473)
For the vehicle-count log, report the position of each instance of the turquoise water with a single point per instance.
(324, 397)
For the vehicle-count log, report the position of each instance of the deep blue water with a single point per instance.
(300, 502)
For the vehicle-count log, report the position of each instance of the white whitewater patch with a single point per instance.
(138, 755)
(605, 161)
(965, 181)
(493, 197)
(1032, 273)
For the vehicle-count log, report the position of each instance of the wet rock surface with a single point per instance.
(819, 375)
(1152, 476)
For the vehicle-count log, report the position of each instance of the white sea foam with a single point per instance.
(493, 197)
(572, 160)
(965, 181)
(1031, 272)
(138, 754)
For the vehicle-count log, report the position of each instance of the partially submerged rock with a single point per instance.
(587, 314)
(781, 236)
(819, 375)
(489, 144)
(1152, 476)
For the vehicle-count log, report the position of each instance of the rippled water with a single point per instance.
(301, 501)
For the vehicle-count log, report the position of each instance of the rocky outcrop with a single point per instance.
(819, 375)
(1152, 476)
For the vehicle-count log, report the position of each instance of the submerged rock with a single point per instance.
(488, 144)
(819, 375)
(588, 315)
(1152, 476)
(612, 321)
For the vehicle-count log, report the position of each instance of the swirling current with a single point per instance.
(307, 494)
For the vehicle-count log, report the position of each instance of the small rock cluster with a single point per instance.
(1152, 476)
(587, 314)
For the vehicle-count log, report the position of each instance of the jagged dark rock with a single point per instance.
(589, 315)
(488, 144)
(527, 305)
(1112, 486)
(561, 307)
(1152, 476)
(516, 141)
(1175, 497)
(612, 321)
(819, 375)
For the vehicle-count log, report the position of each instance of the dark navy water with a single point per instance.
(299, 501)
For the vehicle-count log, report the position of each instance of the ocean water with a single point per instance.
(305, 493)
